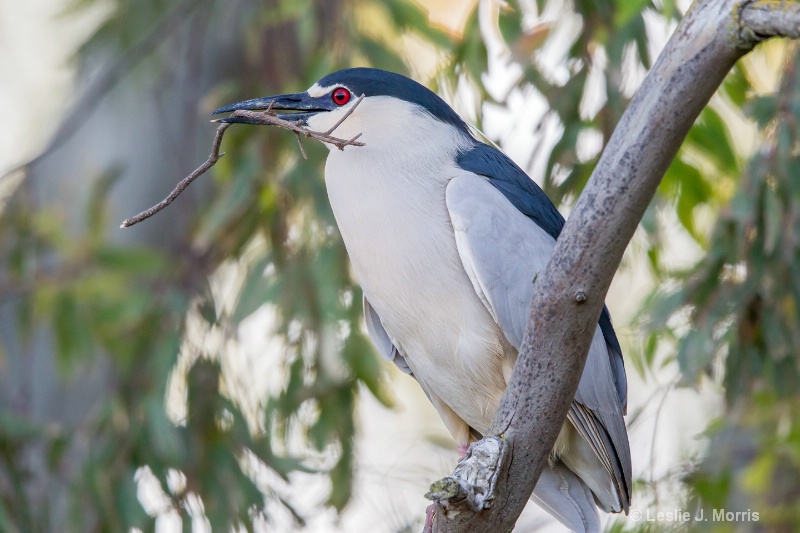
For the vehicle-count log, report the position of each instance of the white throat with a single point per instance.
(389, 195)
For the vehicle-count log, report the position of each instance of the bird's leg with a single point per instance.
(430, 512)
(462, 450)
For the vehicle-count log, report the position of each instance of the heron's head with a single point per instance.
(394, 109)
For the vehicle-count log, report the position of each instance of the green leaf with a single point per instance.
(257, 290)
(710, 136)
(142, 262)
(409, 16)
(762, 109)
(510, 24)
(380, 56)
(736, 86)
(694, 354)
(73, 336)
(773, 211)
(627, 10)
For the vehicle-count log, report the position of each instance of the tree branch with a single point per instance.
(759, 20)
(570, 291)
(266, 117)
(185, 182)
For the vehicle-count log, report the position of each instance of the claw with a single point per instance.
(472, 482)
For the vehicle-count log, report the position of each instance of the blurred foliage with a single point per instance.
(732, 316)
(741, 303)
(133, 307)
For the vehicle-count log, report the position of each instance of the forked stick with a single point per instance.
(267, 117)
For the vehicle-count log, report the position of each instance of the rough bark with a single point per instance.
(570, 291)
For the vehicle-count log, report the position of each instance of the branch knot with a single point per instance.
(759, 20)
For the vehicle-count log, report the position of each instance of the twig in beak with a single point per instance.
(265, 117)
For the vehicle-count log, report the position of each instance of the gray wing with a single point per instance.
(381, 339)
(501, 250)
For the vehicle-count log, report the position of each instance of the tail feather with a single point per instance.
(562, 494)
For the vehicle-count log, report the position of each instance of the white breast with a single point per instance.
(389, 201)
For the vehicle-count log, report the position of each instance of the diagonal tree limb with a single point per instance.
(570, 291)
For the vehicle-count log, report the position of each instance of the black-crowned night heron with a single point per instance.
(445, 234)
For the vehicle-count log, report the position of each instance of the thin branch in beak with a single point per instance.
(185, 182)
(266, 117)
(349, 112)
(300, 144)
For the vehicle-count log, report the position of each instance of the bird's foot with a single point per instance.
(473, 480)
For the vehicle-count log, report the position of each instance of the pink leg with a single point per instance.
(462, 450)
(430, 512)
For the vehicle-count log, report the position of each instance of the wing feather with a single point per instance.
(502, 249)
(523, 193)
(381, 340)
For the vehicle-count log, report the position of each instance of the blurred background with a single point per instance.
(209, 369)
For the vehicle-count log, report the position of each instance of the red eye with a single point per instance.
(340, 96)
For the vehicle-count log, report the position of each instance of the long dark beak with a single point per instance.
(305, 105)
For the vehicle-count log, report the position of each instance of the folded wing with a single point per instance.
(502, 249)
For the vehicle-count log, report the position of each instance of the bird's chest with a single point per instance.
(398, 234)
(400, 239)
(397, 230)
